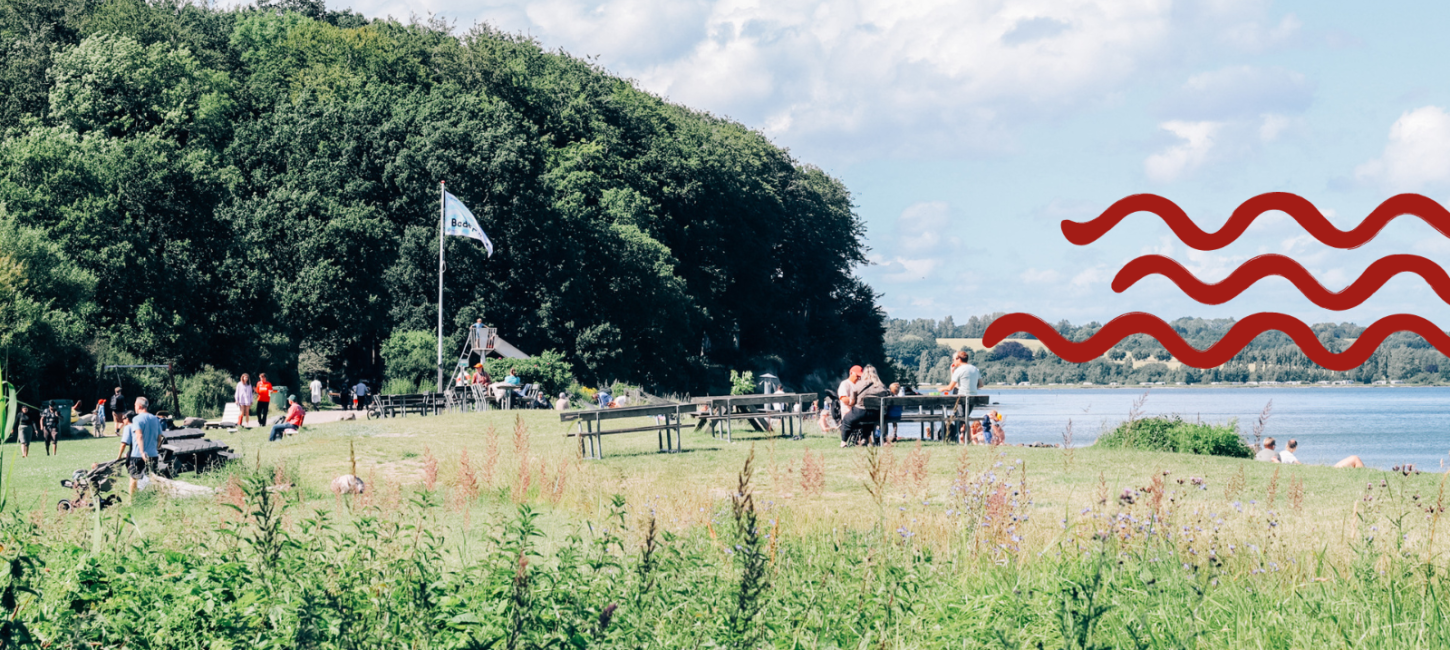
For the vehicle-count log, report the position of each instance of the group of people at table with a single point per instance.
(846, 412)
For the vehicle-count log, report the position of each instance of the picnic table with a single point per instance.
(925, 409)
(790, 408)
(590, 426)
(387, 406)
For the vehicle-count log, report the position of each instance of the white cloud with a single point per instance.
(1417, 154)
(921, 244)
(1044, 276)
(1197, 140)
(1239, 91)
(868, 77)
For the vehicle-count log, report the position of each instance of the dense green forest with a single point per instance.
(916, 355)
(256, 189)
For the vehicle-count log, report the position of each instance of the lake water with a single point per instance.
(1384, 426)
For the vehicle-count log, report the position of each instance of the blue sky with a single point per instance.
(967, 130)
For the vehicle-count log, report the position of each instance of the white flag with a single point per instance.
(457, 220)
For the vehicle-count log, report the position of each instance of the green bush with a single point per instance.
(742, 383)
(549, 370)
(411, 356)
(206, 393)
(398, 386)
(1173, 434)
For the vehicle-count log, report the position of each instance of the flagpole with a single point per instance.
(442, 224)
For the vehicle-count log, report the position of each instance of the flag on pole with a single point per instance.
(457, 220)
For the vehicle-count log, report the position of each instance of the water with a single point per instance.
(1385, 426)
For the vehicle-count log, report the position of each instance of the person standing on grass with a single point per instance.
(144, 442)
(966, 379)
(49, 431)
(316, 387)
(27, 430)
(243, 398)
(295, 416)
(117, 406)
(264, 398)
(844, 397)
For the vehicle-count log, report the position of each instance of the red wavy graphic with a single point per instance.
(1264, 266)
(1219, 353)
(1308, 216)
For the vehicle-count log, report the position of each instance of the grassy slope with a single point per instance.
(687, 489)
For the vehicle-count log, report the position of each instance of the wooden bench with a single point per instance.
(398, 405)
(925, 409)
(590, 426)
(753, 409)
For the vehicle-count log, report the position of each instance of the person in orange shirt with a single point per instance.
(264, 398)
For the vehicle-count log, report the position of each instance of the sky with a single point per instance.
(967, 131)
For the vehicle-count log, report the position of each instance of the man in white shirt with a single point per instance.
(966, 379)
(316, 387)
(1287, 456)
(846, 393)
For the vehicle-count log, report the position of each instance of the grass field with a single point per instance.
(490, 526)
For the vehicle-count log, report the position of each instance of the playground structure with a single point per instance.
(481, 342)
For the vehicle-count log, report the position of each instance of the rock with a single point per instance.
(193, 423)
(348, 484)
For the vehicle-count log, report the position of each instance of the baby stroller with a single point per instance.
(90, 484)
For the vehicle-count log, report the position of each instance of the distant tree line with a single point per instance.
(1272, 356)
(257, 188)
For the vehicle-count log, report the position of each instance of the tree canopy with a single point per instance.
(243, 188)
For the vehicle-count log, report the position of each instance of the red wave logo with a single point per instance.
(1264, 266)
(1304, 212)
(1238, 337)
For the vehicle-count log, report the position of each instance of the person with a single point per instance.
(316, 387)
(992, 433)
(966, 378)
(1268, 453)
(360, 395)
(861, 421)
(145, 441)
(117, 406)
(477, 333)
(1287, 456)
(619, 401)
(480, 376)
(603, 398)
(293, 422)
(49, 428)
(98, 417)
(844, 394)
(264, 398)
(828, 414)
(1352, 461)
(243, 397)
(27, 430)
(562, 404)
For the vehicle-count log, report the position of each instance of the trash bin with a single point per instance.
(62, 423)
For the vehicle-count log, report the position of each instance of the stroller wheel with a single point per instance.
(67, 483)
(63, 506)
(110, 500)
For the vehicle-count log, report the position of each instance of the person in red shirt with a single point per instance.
(295, 415)
(264, 398)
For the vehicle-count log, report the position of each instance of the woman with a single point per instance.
(243, 398)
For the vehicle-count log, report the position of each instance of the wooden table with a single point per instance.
(590, 426)
(753, 409)
(925, 409)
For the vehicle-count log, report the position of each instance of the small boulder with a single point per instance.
(348, 484)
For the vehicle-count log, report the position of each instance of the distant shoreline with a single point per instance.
(994, 388)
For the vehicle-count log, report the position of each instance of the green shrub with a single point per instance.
(742, 383)
(1173, 434)
(206, 393)
(399, 386)
(549, 369)
(412, 356)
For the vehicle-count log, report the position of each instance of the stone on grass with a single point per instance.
(348, 484)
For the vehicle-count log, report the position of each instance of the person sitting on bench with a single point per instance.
(862, 421)
(295, 415)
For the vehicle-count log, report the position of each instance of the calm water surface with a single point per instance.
(1384, 426)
